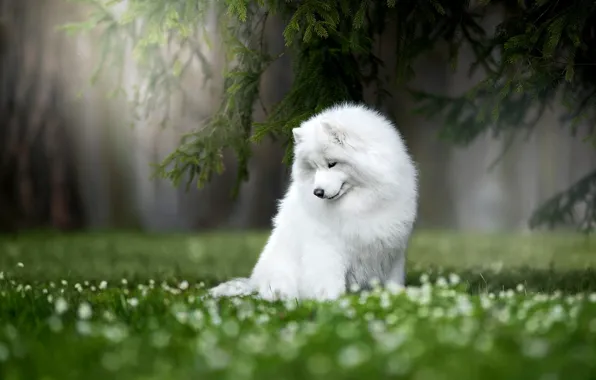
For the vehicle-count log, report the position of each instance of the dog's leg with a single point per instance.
(274, 280)
(323, 275)
(275, 276)
(397, 275)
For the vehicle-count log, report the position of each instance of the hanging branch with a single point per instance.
(540, 50)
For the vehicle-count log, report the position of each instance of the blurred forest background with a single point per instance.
(68, 159)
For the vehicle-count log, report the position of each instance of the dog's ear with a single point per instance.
(337, 136)
(297, 132)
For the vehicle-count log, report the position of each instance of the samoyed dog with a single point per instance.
(347, 215)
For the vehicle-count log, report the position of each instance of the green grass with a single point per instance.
(133, 306)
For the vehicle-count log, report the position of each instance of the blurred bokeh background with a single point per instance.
(70, 160)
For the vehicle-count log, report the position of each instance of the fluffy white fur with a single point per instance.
(358, 226)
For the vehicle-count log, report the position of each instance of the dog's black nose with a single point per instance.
(319, 192)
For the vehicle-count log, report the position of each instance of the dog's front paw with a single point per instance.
(328, 294)
(277, 289)
(394, 287)
(323, 287)
(233, 288)
(325, 290)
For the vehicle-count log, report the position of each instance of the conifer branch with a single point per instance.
(541, 50)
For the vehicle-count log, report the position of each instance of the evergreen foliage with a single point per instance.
(544, 51)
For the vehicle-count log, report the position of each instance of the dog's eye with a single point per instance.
(331, 164)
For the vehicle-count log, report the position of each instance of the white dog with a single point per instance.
(348, 213)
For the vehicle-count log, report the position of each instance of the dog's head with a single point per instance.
(351, 151)
(322, 159)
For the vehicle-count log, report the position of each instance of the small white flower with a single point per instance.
(108, 316)
(441, 282)
(454, 279)
(84, 311)
(261, 319)
(394, 288)
(124, 281)
(83, 327)
(344, 303)
(133, 302)
(20, 264)
(181, 316)
(385, 302)
(61, 305)
(183, 285)
(353, 356)
(1, 275)
(374, 282)
(115, 333)
(103, 285)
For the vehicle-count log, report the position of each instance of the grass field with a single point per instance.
(133, 306)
